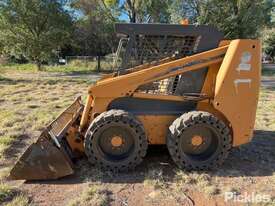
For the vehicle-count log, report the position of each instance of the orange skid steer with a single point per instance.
(178, 85)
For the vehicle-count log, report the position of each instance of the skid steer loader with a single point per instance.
(179, 85)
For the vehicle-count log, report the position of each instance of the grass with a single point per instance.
(93, 195)
(27, 104)
(75, 67)
(155, 178)
(268, 72)
(233, 189)
(201, 181)
(265, 117)
(6, 192)
(20, 200)
(175, 191)
(11, 196)
(4, 172)
(24, 110)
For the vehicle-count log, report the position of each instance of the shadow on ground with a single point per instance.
(254, 159)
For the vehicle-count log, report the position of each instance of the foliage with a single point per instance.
(39, 30)
(269, 13)
(94, 32)
(236, 18)
(158, 11)
(189, 9)
(145, 11)
(34, 29)
(269, 44)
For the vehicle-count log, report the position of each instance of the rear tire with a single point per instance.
(116, 141)
(198, 141)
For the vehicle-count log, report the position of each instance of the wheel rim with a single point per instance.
(116, 143)
(199, 142)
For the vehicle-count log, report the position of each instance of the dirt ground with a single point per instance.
(28, 101)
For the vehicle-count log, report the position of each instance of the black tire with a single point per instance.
(111, 124)
(213, 147)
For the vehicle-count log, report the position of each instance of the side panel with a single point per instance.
(156, 127)
(237, 87)
(139, 106)
(209, 90)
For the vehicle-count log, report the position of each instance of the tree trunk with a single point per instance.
(98, 63)
(38, 65)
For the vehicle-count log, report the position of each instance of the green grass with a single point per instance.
(70, 68)
(6, 140)
(4, 78)
(268, 72)
(33, 68)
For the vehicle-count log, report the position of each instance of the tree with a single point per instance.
(269, 13)
(94, 30)
(146, 11)
(235, 18)
(188, 9)
(135, 10)
(36, 29)
(269, 44)
(157, 11)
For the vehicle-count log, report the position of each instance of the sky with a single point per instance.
(123, 16)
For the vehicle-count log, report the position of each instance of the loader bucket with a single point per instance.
(47, 158)
(41, 161)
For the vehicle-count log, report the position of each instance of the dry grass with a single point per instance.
(93, 195)
(266, 107)
(4, 172)
(155, 179)
(20, 200)
(26, 106)
(11, 196)
(6, 192)
(201, 181)
(163, 190)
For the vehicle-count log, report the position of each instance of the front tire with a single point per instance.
(198, 141)
(116, 141)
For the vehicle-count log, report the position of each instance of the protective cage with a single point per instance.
(153, 43)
